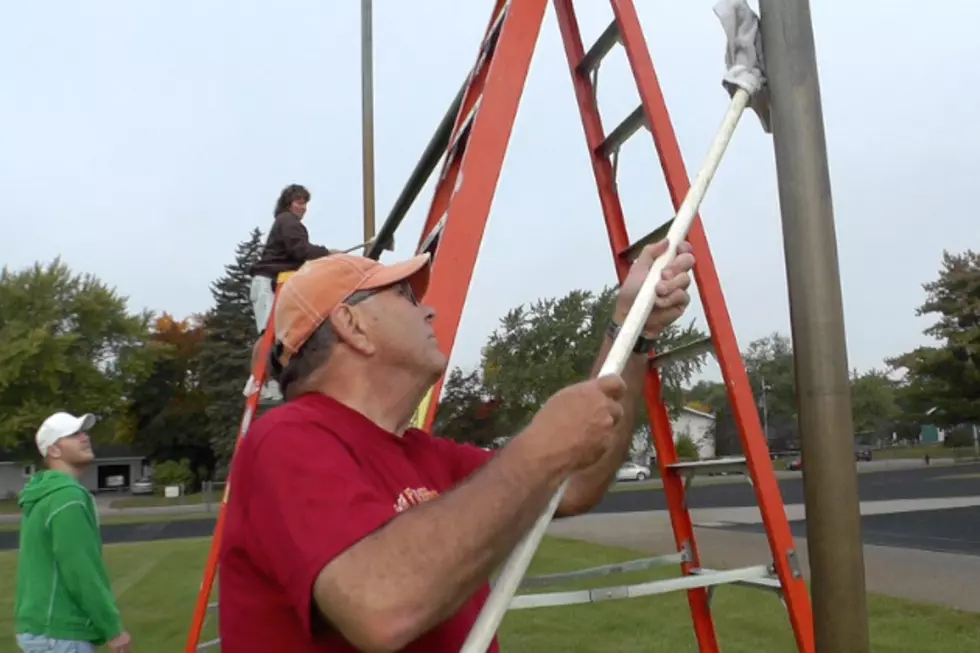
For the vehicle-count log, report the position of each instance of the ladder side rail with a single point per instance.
(468, 103)
(259, 372)
(471, 194)
(736, 378)
(662, 433)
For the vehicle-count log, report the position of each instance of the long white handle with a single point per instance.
(513, 571)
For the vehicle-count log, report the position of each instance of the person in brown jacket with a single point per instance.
(287, 247)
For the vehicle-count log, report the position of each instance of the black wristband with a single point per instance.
(643, 344)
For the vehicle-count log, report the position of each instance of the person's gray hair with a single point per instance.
(314, 353)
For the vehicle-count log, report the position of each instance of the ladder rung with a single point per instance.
(715, 465)
(684, 352)
(599, 49)
(208, 645)
(464, 131)
(602, 571)
(494, 32)
(769, 583)
(550, 599)
(633, 251)
(213, 606)
(622, 133)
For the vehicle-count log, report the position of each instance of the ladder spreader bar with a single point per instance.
(602, 571)
(552, 599)
(770, 583)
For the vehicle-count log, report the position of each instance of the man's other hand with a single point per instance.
(122, 643)
(578, 422)
(672, 295)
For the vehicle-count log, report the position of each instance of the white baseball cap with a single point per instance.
(61, 425)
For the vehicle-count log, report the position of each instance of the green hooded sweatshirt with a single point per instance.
(63, 589)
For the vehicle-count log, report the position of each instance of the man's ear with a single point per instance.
(350, 326)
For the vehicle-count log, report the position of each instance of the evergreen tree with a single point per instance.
(942, 383)
(227, 351)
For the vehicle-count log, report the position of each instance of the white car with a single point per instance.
(632, 472)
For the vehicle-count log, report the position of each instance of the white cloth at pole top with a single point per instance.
(745, 63)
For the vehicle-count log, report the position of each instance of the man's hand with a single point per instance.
(672, 297)
(121, 643)
(578, 422)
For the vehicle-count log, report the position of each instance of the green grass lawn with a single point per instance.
(157, 584)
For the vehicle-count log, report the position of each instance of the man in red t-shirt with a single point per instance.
(346, 529)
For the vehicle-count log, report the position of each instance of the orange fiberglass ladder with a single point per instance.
(476, 133)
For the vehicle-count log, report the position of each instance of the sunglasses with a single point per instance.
(403, 288)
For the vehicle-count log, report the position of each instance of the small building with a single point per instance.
(931, 434)
(115, 468)
(13, 476)
(698, 426)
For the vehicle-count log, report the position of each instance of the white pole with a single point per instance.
(493, 611)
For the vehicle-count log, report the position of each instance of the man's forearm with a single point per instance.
(416, 571)
(588, 485)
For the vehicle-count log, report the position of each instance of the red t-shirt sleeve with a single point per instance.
(304, 510)
(464, 458)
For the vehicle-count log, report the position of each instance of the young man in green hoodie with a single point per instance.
(64, 601)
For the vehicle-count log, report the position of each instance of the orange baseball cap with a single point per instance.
(307, 298)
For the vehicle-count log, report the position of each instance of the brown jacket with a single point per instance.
(287, 247)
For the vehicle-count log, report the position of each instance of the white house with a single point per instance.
(693, 423)
(697, 426)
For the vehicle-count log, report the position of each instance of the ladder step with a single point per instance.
(770, 583)
(602, 571)
(552, 599)
(603, 45)
(213, 606)
(713, 466)
(464, 132)
(684, 352)
(487, 49)
(490, 43)
(210, 644)
(622, 133)
(633, 251)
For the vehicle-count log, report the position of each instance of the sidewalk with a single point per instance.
(942, 578)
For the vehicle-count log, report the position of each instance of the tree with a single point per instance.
(466, 413)
(539, 349)
(873, 405)
(947, 377)
(229, 333)
(168, 406)
(707, 396)
(67, 342)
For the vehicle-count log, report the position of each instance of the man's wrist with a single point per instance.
(644, 343)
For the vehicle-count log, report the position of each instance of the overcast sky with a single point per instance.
(141, 141)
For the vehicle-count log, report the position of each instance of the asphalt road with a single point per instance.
(916, 483)
(952, 529)
(949, 530)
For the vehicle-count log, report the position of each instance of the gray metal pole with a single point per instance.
(367, 119)
(817, 316)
